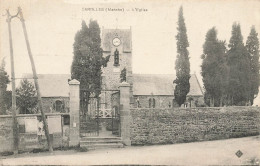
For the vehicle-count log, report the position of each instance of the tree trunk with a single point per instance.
(211, 102)
(221, 100)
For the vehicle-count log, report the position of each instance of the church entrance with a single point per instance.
(102, 118)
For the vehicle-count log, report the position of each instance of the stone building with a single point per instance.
(157, 91)
(146, 90)
(54, 90)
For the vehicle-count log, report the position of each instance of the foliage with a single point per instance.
(87, 61)
(182, 64)
(239, 69)
(8, 99)
(230, 77)
(214, 69)
(123, 75)
(26, 97)
(252, 46)
(4, 80)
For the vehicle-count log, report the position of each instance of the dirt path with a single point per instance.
(221, 152)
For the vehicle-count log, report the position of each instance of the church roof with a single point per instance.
(56, 85)
(161, 84)
(52, 85)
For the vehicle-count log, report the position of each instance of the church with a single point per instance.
(146, 90)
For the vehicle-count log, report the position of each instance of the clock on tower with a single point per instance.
(116, 41)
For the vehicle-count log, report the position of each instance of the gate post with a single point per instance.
(125, 112)
(74, 113)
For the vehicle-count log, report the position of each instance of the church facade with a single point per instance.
(146, 90)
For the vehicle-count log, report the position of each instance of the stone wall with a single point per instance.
(164, 101)
(197, 101)
(6, 133)
(177, 125)
(48, 103)
(29, 140)
(160, 101)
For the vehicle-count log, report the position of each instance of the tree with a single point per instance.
(252, 46)
(239, 69)
(26, 97)
(182, 63)
(4, 80)
(214, 68)
(87, 61)
(123, 75)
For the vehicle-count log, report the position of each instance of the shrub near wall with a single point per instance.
(177, 125)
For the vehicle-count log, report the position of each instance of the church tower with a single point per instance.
(116, 43)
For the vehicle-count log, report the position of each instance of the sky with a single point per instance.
(52, 24)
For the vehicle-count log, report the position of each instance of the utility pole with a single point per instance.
(15, 127)
(45, 125)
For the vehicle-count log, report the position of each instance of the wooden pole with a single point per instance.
(45, 125)
(15, 128)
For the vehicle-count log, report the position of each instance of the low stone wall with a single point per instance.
(177, 125)
(29, 138)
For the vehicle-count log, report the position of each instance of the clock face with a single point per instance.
(116, 41)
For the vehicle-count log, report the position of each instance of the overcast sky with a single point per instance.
(52, 25)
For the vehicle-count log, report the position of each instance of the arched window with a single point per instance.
(116, 58)
(169, 104)
(59, 106)
(151, 103)
(138, 103)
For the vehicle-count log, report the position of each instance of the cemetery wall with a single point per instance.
(178, 125)
(31, 133)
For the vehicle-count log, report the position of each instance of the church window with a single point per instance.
(59, 106)
(116, 58)
(151, 103)
(138, 103)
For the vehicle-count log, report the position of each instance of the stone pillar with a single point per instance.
(125, 112)
(74, 137)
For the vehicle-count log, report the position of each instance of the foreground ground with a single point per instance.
(220, 152)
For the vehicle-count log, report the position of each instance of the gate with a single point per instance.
(102, 117)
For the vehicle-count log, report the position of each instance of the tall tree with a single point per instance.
(252, 46)
(239, 69)
(4, 80)
(214, 68)
(182, 63)
(26, 97)
(87, 61)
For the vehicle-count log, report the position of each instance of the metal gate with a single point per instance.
(103, 116)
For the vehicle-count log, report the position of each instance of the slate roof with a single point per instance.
(161, 84)
(52, 85)
(56, 85)
(195, 87)
(153, 84)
